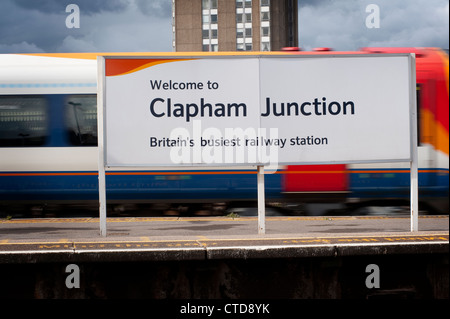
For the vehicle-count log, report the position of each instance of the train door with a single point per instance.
(316, 182)
(426, 110)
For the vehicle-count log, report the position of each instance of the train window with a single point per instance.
(81, 119)
(23, 120)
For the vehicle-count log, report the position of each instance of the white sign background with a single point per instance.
(379, 129)
(378, 85)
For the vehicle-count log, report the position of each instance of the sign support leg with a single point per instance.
(414, 163)
(102, 199)
(414, 184)
(414, 202)
(261, 202)
(101, 143)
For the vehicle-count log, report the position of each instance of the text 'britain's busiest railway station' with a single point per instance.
(237, 167)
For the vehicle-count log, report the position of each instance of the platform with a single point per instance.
(173, 238)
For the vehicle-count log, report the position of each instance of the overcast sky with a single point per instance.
(33, 26)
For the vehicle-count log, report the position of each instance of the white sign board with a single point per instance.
(349, 109)
(257, 110)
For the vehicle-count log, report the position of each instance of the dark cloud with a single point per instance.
(149, 7)
(146, 25)
(86, 6)
(28, 26)
(342, 24)
(27, 30)
(312, 3)
(155, 8)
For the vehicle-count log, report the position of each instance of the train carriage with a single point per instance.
(48, 139)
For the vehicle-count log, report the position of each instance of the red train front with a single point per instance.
(388, 184)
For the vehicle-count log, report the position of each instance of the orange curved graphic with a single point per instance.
(433, 132)
(114, 67)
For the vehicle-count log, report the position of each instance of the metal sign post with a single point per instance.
(101, 145)
(261, 202)
(414, 163)
(414, 202)
(102, 198)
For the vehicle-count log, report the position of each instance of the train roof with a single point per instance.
(64, 71)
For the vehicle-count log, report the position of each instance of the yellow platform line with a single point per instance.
(429, 236)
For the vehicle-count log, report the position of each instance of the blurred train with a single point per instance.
(48, 153)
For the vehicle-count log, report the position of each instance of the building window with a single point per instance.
(265, 25)
(244, 25)
(173, 27)
(209, 4)
(209, 25)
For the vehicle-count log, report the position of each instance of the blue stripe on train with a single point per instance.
(377, 183)
(138, 187)
(373, 184)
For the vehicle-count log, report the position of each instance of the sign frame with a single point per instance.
(104, 165)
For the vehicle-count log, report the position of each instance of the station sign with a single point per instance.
(256, 110)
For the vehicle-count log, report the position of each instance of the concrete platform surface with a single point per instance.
(189, 238)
